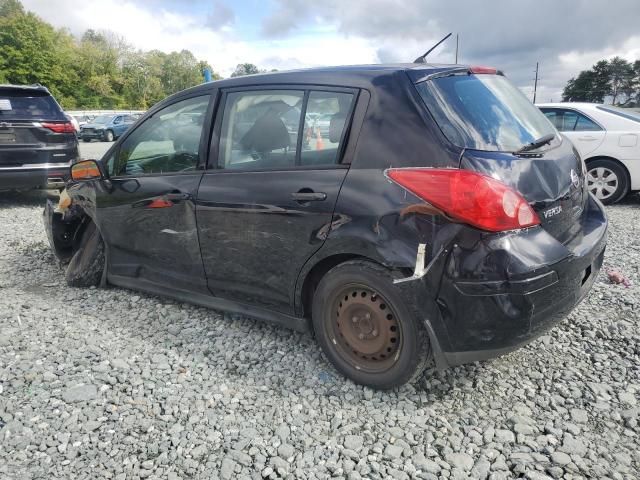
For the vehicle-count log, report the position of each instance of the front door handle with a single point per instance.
(304, 196)
(163, 201)
(177, 197)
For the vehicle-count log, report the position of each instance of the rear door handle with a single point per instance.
(587, 138)
(309, 196)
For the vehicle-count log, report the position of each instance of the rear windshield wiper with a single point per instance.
(537, 143)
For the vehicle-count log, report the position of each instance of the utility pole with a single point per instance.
(535, 85)
(457, 38)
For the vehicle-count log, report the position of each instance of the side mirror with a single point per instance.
(86, 170)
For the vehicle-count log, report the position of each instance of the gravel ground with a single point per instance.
(117, 384)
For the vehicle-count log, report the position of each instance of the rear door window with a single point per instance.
(16, 105)
(260, 129)
(483, 112)
(283, 129)
(324, 125)
(570, 120)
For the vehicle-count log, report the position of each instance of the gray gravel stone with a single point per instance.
(80, 393)
(97, 384)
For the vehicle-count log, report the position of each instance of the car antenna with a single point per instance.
(421, 59)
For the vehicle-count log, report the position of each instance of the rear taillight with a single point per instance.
(468, 197)
(66, 127)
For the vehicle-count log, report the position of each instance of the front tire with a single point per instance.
(87, 263)
(607, 180)
(364, 328)
(109, 136)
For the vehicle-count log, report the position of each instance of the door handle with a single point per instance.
(304, 196)
(163, 201)
(177, 197)
(587, 138)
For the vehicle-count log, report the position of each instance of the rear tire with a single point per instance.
(87, 263)
(607, 180)
(86, 140)
(364, 328)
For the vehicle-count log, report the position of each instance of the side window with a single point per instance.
(325, 121)
(260, 129)
(117, 120)
(169, 141)
(554, 117)
(585, 124)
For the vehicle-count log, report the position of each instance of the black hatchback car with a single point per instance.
(37, 141)
(439, 216)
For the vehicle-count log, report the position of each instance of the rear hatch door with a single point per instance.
(496, 125)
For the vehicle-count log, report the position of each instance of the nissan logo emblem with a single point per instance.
(575, 180)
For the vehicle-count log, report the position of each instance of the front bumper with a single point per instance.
(94, 135)
(502, 292)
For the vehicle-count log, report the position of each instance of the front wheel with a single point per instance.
(109, 137)
(88, 261)
(365, 329)
(607, 180)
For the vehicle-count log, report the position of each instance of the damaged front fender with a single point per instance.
(63, 223)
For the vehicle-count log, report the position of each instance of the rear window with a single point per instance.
(483, 112)
(621, 112)
(28, 106)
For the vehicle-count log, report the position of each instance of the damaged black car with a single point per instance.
(404, 214)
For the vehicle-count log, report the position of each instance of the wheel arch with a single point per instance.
(312, 277)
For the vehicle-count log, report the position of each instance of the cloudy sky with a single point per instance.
(564, 36)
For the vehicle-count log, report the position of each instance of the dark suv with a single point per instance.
(37, 141)
(439, 215)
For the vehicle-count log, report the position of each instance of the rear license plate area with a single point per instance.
(7, 137)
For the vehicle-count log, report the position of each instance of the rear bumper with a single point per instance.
(501, 294)
(30, 176)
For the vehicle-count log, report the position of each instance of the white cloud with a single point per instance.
(364, 32)
(167, 31)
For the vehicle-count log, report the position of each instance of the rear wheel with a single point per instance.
(364, 328)
(86, 140)
(109, 137)
(607, 180)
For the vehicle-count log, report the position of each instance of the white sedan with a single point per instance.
(607, 139)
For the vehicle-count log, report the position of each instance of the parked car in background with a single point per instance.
(607, 139)
(106, 128)
(37, 141)
(82, 119)
(441, 218)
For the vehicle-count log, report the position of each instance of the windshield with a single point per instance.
(102, 119)
(23, 106)
(484, 112)
(621, 112)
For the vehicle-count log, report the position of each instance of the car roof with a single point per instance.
(25, 88)
(345, 75)
(578, 105)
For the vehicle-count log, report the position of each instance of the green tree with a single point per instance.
(98, 70)
(246, 69)
(615, 80)
(32, 51)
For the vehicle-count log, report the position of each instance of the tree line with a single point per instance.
(98, 70)
(615, 81)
